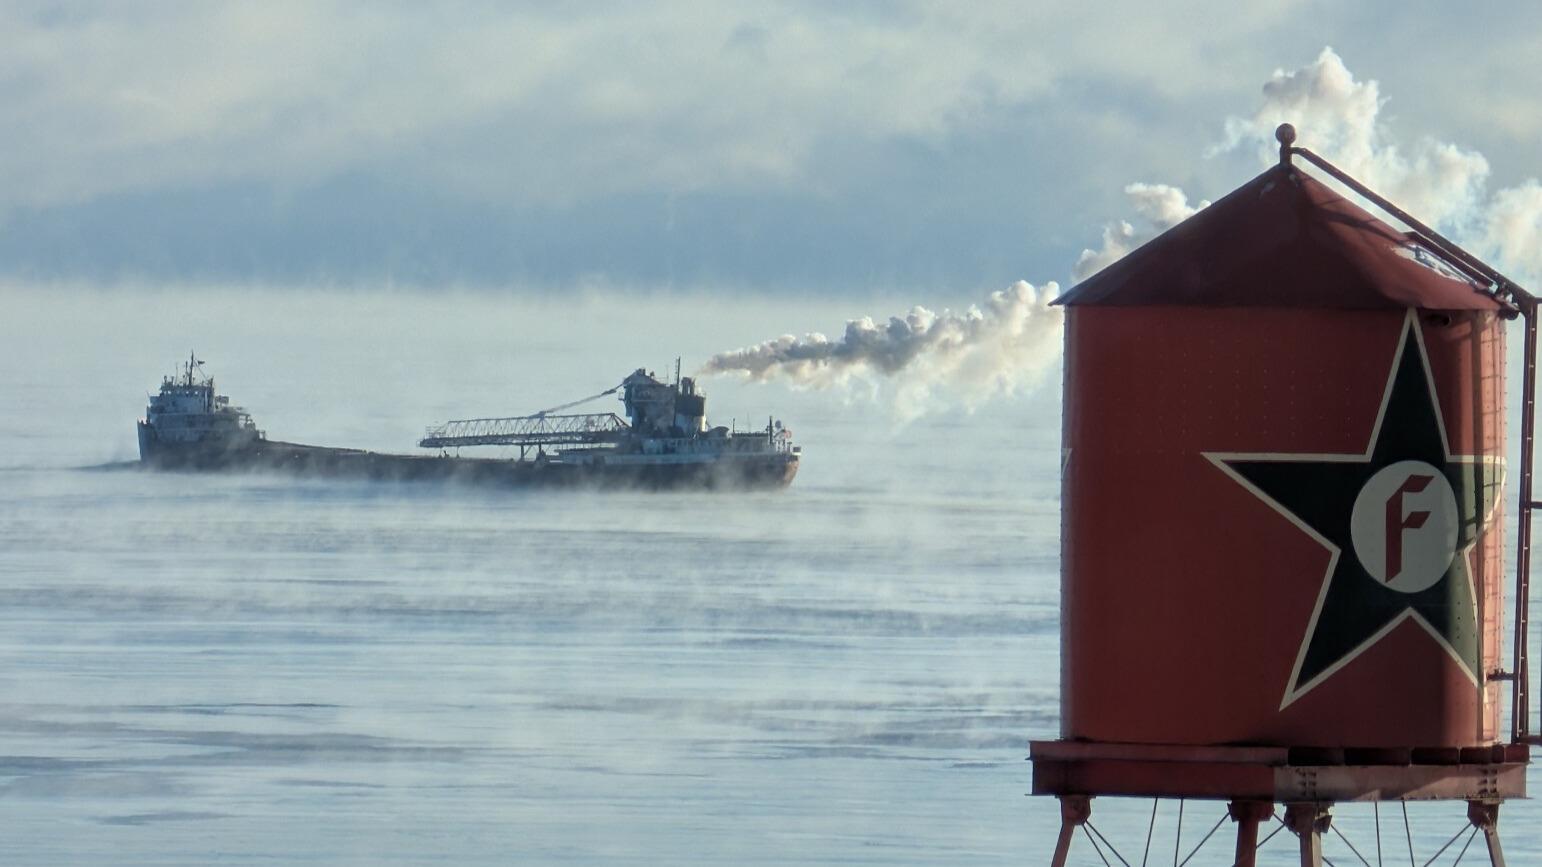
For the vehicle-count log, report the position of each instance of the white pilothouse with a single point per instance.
(189, 417)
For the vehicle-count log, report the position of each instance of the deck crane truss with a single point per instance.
(665, 426)
(528, 431)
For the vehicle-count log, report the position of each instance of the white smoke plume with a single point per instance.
(1160, 206)
(1338, 117)
(981, 353)
(1513, 232)
(993, 349)
(1440, 183)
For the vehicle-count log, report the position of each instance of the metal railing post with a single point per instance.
(1520, 696)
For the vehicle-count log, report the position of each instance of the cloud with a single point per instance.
(1512, 230)
(548, 104)
(1440, 183)
(816, 134)
(978, 354)
(1341, 118)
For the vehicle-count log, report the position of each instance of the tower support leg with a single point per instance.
(1247, 815)
(1484, 815)
(1309, 820)
(1074, 811)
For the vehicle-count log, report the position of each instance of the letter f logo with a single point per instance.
(1397, 522)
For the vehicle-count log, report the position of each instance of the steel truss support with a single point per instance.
(1309, 820)
(1074, 812)
(1484, 815)
(1247, 815)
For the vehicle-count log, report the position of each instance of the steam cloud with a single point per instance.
(1160, 206)
(978, 354)
(981, 352)
(1335, 115)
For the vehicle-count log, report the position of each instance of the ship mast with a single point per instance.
(192, 362)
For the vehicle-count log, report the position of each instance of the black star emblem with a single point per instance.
(1400, 522)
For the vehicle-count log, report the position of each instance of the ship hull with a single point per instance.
(770, 471)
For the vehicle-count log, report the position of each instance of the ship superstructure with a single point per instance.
(666, 426)
(190, 420)
(664, 442)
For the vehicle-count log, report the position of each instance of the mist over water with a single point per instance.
(201, 668)
(196, 667)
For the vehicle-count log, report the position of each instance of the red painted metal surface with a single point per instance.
(1281, 564)
(1266, 333)
(1283, 239)
(1187, 597)
(1220, 773)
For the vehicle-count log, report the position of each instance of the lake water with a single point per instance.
(247, 669)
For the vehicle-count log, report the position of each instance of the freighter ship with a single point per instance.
(664, 442)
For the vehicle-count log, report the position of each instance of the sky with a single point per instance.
(936, 150)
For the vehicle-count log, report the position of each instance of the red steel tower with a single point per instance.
(1282, 578)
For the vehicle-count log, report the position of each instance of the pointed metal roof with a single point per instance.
(1284, 239)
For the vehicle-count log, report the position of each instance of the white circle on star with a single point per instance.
(1404, 526)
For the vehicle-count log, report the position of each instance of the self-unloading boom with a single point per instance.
(665, 427)
(526, 431)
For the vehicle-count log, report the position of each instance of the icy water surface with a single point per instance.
(247, 669)
(277, 670)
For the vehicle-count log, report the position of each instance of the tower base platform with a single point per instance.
(1279, 774)
(1308, 781)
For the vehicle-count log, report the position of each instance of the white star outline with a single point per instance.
(1220, 459)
